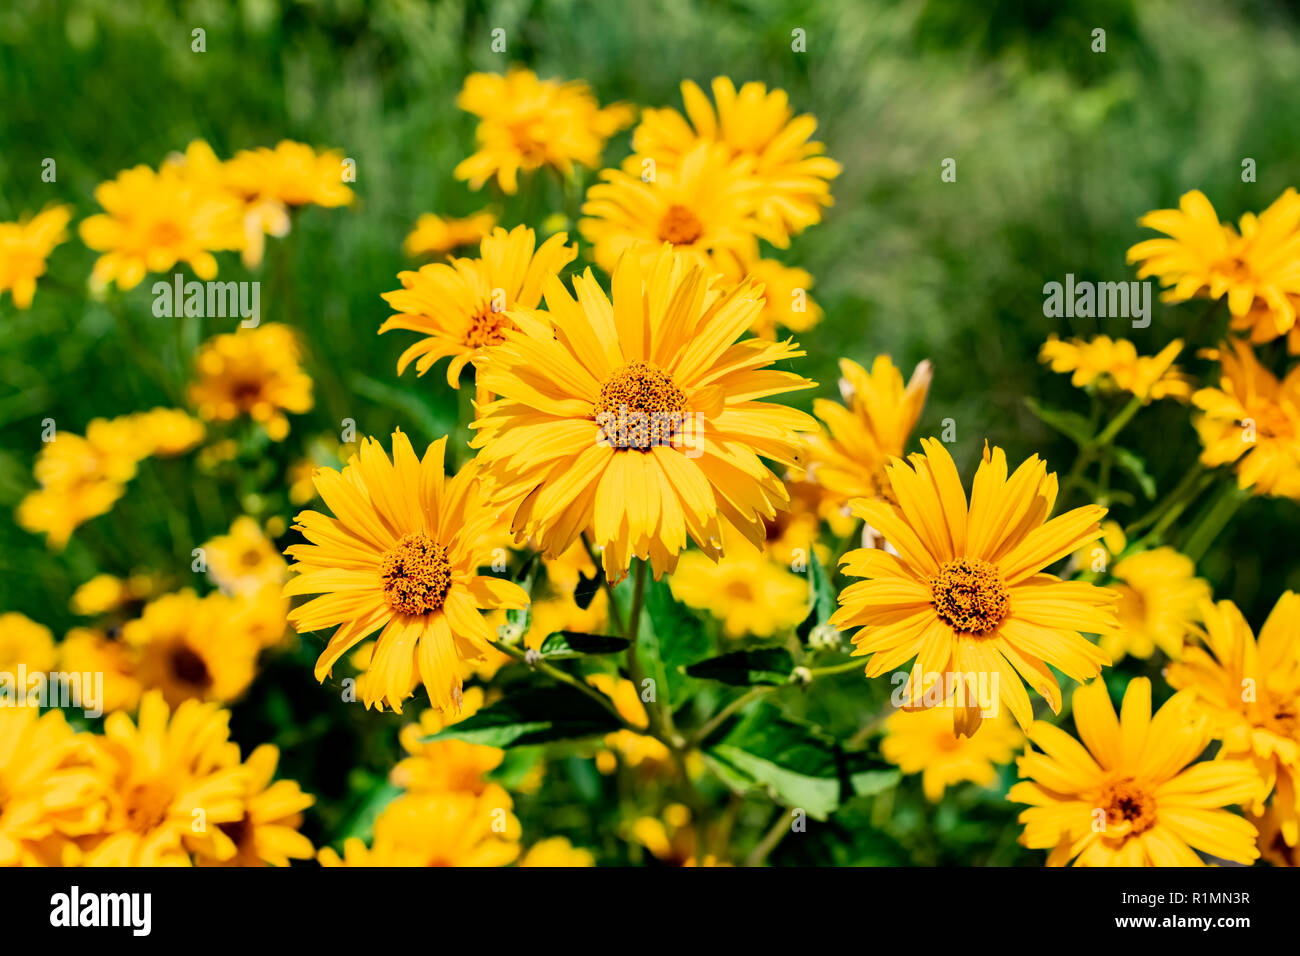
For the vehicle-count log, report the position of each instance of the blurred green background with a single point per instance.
(1058, 151)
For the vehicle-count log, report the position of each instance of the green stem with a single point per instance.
(833, 669)
(1181, 490)
(1117, 423)
(1213, 519)
(716, 721)
(780, 827)
(565, 678)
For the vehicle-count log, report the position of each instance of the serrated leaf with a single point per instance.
(533, 717)
(563, 644)
(765, 665)
(1070, 424)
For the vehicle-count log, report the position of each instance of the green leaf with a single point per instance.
(1131, 462)
(562, 644)
(587, 588)
(360, 821)
(1070, 424)
(821, 596)
(533, 717)
(765, 665)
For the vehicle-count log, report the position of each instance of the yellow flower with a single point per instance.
(440, 235)
(462, 308)
(747, 591)
(1097, 556)
(153, 220)
(165, 431)
(640, 419)
(401, 555)
(1254, 420)
(447, 828)
(244, 561)
(965, 594)
(84, 650)
(445, 764)
(267, 833)
(24, 247)
(557, 852)
(1250, 690)
(786, 302)
(23, 641)
(1114, 364)
(923, 742)
(526, 123)
(1159, 602)
(756, 125)
(701, 208)
(869, 430)
(1126, 796)
(672, 840)
(252, 372)
(1273, 847)
(189, 647)
(105, 592)
(637, 750)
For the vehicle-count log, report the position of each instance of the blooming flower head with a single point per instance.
(1114, 364)
(267, 833)
(786, 302)
(463, 307)
(440, 235)
(23, 641)
(557, 852)
(1252, 419)
(757, 124)
(526, 123)
(923, 742)
(747, 590)
(639, 419)
(869, 430)
(400, 556)
(85, 650)
(435, 765)
(1159, 603)
(254, 372)
(244, 561)
(106, 592)
(965, 593)
(636, 750)
(24, 247)
(1250, 690)
(164, 432)
(1126, 796)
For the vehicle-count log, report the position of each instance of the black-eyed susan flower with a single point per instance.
(965, 593)
(435, 235)
(1253, 420)
(24, 247)
(254, 372)
(749, 592)
(923, 742)
(1250, 690)
(401, 556)
(268, 832)
(557, 852)
(244, 561)
(463, 307)
(639, 419)
(1160, 598)
(526, 123)
(1123, 793)
(1114, 364)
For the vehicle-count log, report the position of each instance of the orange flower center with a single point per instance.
(147, 805)
(640, 406)
(1126, 803)
(189, 668)
(680, 226)
(487, 328)
(969, 596)
(416, 575)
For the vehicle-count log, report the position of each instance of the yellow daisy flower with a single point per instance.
(639, 419)
(923, 742)
(445, 764)
(755, 124)
(965, 594)
(747, 591)
(1114, 364)
(267, 834)
(526, 123)
(401, 555)
(1159, 602)
(1250, 689)
(463, 307)
(557, 852)
(254, 372)
(24, 247)
(786, 302)
(1252, 419)
(85, 650)
(165, 432)
(244, 561)
(23, 641)
(637, 750)
(1126, 796)
(440, 235)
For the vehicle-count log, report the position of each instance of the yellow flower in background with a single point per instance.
(161, 769)
(1126, 796)
(639, 419)
(23, 641)
(1273, 847)
(965, 594)
(746, 590)
(1114, 364)
(244, 561)
(400, 554)
(1250, 690)
(557, 852)
(923, 742)
(786, 302)
(754, 124)
(165, 431)
(1252, 419)
(86, 650)
(435, 235)
(254, 372)
(636, 750)
(1097, 556)
(106, 592)
(526, 123)
(463, 307)
(154, 220)
(869, 430)
(701, 208)
(672, 840)
(439, 765)
(187, 647)
(267, 833)
(447, 828)
(24, 247)
(1159, 603)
